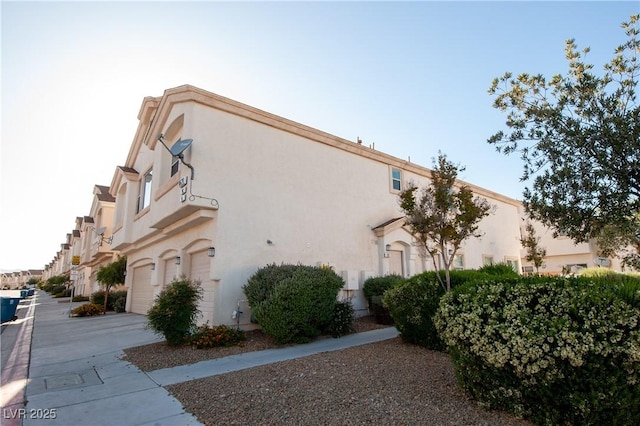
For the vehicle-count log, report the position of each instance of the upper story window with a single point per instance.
(396, 179)
(175, 165)
(487, 260)
(144, 199)
(458, 262)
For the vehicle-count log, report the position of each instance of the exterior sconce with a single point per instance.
(153, 266)
(211, 252)
(177, 260)
(387, 247)
(270, 242)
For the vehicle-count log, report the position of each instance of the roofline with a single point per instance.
(155, 111)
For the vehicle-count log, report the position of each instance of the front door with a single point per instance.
(396, 265)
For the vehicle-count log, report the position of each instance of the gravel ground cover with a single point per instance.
(159, 355)
(384, 383)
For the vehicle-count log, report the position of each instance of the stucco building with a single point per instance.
(251, 188)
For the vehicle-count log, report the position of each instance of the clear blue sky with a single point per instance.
(410, 77)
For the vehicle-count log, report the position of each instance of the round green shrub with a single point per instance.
(175, 311)
(300, 306)
(261, 284)
(412, 304)
(562, 351)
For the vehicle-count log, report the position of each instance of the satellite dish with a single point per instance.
(101, 230)
(178, 148)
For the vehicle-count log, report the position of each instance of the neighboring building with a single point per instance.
(93, 249)
(18, 279)
(259, 189)
(563, 256)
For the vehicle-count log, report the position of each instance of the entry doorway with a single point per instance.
(396, 262)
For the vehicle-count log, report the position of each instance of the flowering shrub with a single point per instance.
(342, 321)
(88, 310)
(559, 351)
(216, 336)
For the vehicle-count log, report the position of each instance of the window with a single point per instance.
(175, 165)
(487, 260)
(396, 179)
(513, 263)
(458, 262)
(145, 191)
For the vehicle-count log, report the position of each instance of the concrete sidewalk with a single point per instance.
(77, 377)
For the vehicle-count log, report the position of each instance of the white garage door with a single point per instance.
(170, 271)
(141, 290)
(200, 266)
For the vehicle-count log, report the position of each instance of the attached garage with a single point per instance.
(141, 290)
(200, 271)
(170, 271)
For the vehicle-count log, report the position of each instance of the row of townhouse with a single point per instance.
(213, 189)
(18, 279)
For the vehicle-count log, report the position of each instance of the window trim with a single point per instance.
(175, 166)
(453, 263)
(144, 194)
(393, 179)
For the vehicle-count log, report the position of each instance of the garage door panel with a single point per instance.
(200, 271)
(141, 290)
(170, 271)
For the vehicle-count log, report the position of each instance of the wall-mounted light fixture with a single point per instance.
(177, 260)
(387, 247)
(211, 252)
(153, 266)
(270, 242)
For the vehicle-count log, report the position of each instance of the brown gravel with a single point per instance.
(385, 383)
(159, 355)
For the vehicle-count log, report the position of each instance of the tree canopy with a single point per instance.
(112, 274)
(442, 214)
(578, 136)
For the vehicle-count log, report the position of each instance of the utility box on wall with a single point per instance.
(351, 281)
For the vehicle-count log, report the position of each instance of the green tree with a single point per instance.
(112, 274)
(531, 242)
(621, 242)
(579, 134)
(442, 215)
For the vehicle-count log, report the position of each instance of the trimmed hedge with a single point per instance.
(261, 284)
(412, 303)
(293, 303)
(553, 350)
(376, 286)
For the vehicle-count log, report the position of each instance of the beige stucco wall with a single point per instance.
(315, 197)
